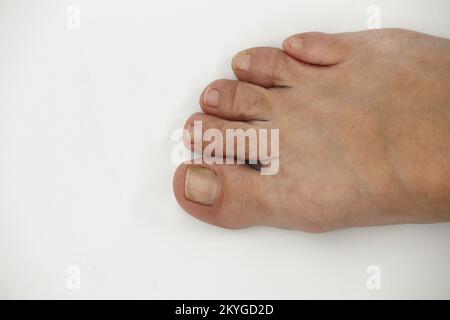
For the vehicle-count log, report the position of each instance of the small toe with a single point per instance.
(318, 48)
(268, 67)
(236, 100)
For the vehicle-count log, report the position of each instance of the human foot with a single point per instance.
(364, 123)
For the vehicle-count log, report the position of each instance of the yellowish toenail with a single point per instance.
(241, 61)
(211, 98)
(295, 43)
(202, 185)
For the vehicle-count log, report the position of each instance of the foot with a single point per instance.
(364, 127)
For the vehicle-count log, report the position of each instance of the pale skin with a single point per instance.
(364, 122)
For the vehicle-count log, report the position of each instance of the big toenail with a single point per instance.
(241, 61)
(202, 185)
(295, 43)
(212, 97)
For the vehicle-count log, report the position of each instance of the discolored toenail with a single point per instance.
(201, 185)
(295, 43)
(241, 61)
(211, 98)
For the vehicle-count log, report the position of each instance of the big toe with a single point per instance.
(229, 196)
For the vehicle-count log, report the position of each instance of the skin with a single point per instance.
(364, 123)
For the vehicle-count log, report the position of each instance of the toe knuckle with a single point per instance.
(261, 100)
(280, 68)
(238, 97)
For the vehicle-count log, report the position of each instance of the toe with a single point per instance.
(215, 137)
(318, 48)
(267, 67)
(230, 196)
(236, 100)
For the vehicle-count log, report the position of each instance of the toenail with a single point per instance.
(211, 98)
(241, 61)
(201, 185)
(295, 43)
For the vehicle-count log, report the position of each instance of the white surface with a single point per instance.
(86, 117)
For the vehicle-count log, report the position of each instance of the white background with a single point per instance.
(86, 118)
